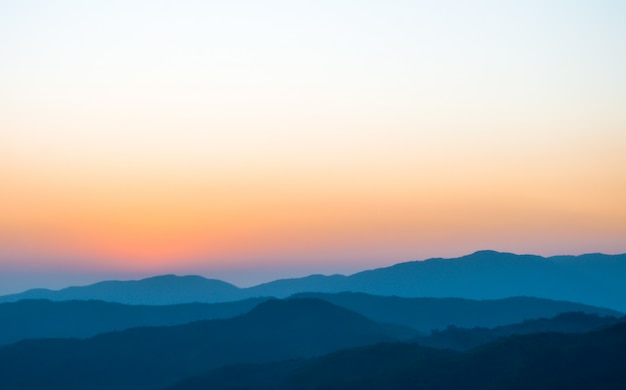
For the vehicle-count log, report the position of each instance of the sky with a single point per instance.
(251, 140)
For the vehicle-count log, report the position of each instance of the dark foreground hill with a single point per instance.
(593, 279)
(149, 358)
(594, 360)
(80, 319)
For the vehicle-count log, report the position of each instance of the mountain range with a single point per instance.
(32, 319)
(593, 279)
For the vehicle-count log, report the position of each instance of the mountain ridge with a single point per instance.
(593, 279)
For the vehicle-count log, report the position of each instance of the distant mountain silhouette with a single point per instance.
(426, 314)
(149, 358)
(158, 290)
(80, 319)
(593, 279)
(543, 361)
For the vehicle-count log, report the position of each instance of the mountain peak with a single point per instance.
(486, 252)
(171, 278)
(297, 307)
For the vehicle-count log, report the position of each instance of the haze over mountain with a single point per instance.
(79, 319)
(593, 279)
(152, 357)
(31, 319)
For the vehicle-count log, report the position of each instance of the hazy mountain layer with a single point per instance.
(147, 358)
(79, 319)
(593, 279)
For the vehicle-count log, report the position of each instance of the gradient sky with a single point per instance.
(250, 140)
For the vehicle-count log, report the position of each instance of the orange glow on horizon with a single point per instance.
(137, 222)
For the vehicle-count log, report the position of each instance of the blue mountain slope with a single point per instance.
(594, 279)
